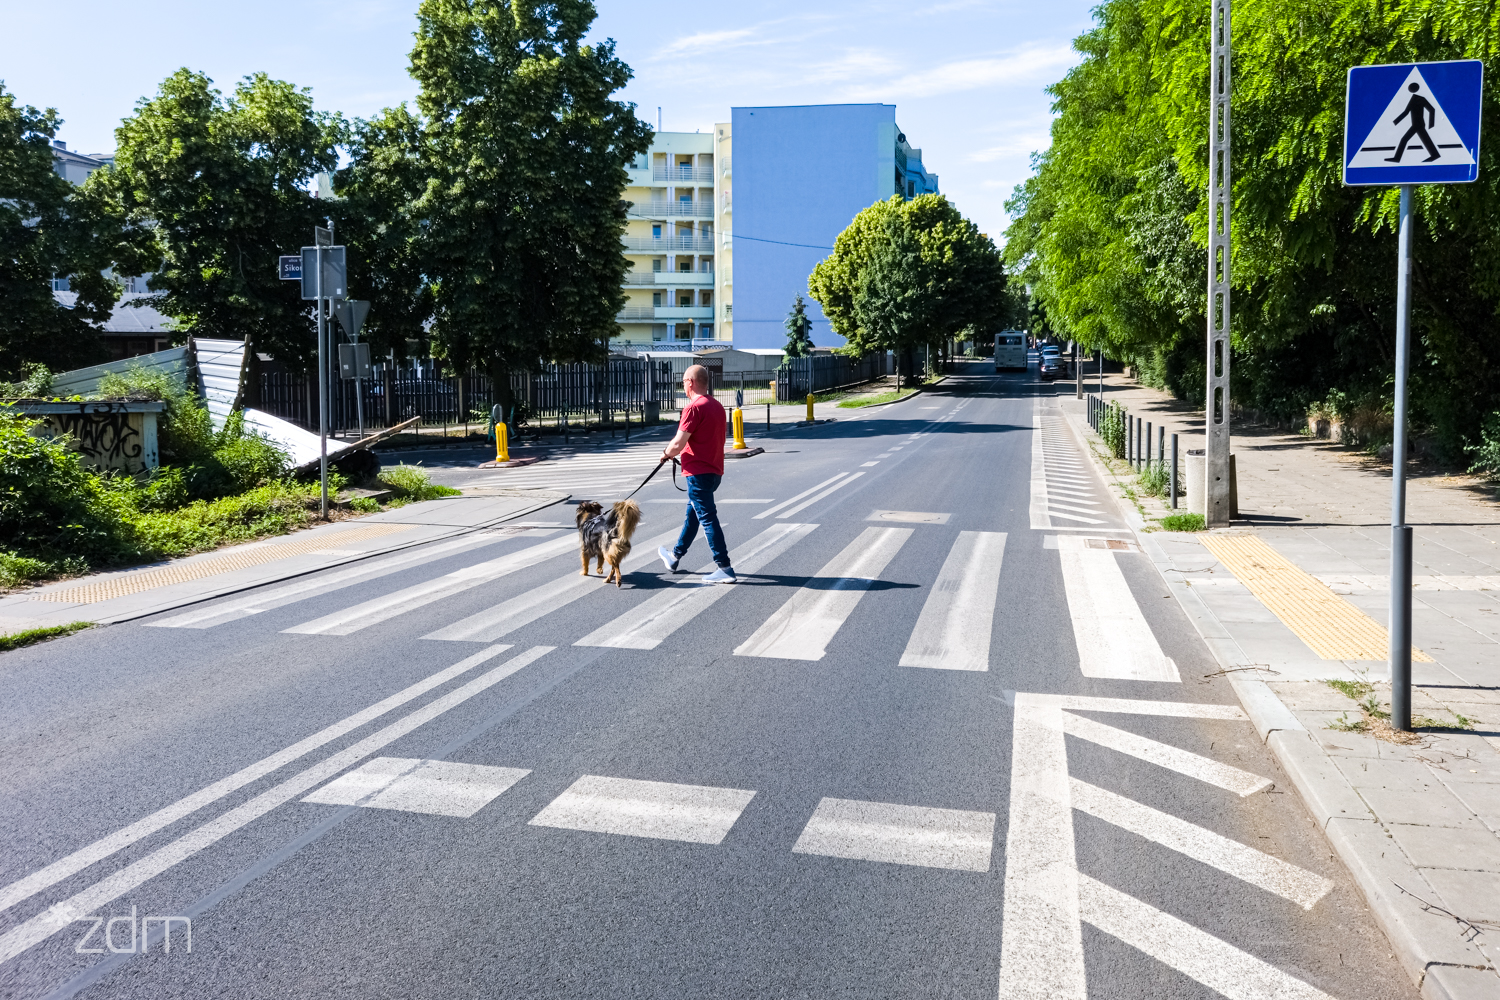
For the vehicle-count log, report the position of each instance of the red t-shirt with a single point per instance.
(704, 421)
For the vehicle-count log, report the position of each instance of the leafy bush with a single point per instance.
(18, 569)
(1485, 455)
(1112, 430)
(413, 484)
(1156, 480)
(272, 509)
(35, 381)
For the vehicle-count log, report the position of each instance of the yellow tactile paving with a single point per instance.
(181, 572)
(1330, 625)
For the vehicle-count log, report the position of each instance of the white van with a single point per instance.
(1010, 350)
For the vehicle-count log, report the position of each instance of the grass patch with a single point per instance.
(1183, 522)
(1353, 690)
(1375, 717)
(879, 397)
(413, 484)
(27, 637)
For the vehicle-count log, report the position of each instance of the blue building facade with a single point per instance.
(800, 175)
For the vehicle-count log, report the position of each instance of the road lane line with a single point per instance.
(320, 584)
(661, 810)
(1114, 639)
(80, 905)
(802, 627)
(1193, 765)
(523, 609)
(899, 834)
(1041, 936)
(1038, 476)
(1075, 517)
(83, 857)
(1138, 706)
(648, 624)
(953, 629)
(1179, 945)
(786, 503)
(809, 502)
(1230, 856)
(388, 606)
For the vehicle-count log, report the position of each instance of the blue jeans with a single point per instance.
(701, 510)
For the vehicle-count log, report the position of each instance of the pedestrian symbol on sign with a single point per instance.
(1414, 124)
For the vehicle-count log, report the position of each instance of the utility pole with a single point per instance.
(1216, 510)
(318, 237)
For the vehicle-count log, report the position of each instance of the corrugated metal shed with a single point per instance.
(85, 381)
(221, 375)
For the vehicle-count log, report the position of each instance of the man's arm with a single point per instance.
(675, 446)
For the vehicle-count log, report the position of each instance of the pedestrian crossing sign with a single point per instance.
(1413, 123)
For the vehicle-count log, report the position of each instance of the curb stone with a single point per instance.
(1440, 959)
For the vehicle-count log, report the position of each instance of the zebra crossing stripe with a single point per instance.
(523, 609)
(812, 500)
(645, 626)
(953, 630)
(802, 627)
(1113, 637)
(786, 503)
(1211, 772)
(388, 606)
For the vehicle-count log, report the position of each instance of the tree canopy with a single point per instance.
(798, 331)
(913, 272)
(1110, 232)
(46, 232)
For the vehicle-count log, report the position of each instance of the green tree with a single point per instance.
(213, 190)
(46, 231)
(798, 331)
(909, 273)
(524, 152)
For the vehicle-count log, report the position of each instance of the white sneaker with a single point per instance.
(721, 575)
(668, 560)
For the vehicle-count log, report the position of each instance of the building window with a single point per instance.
(656, 266)
(656, 232)
(911, 189)
(685, 299)
(656, 298)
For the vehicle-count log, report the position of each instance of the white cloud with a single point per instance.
(706, 40)
(1020, 143)
(1032, 63)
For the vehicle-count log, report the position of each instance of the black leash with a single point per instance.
(654, 471)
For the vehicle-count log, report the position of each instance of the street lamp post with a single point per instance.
(1216, 506)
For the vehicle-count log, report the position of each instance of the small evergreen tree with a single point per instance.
(799, 331)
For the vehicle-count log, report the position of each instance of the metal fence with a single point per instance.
(799, 376)
(558, 393)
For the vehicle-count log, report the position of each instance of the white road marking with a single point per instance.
(167, 815)
(1038, 476)
(953, 630)
(901, 835)
(645, 626)
(523, 609)
(1225, 776)
(802, 627)
(1053, 506)
(1075, 517)
(1247, 864)
(438, 787)
(717, 500)
(1179, 945)
(1046, 898)
(53, 919)
(317, 584)
(698, 814)
(866, 465)
(1114, 640)
(814, 499)
(786, 503)
(388, 606)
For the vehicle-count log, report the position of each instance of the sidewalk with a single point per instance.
(1294, 596)
(106, 598)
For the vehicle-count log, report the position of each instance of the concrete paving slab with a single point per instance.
(1446, 847)
(1435, 806)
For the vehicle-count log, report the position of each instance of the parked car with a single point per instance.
(1052, 366)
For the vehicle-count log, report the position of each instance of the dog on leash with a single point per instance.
(604, 536)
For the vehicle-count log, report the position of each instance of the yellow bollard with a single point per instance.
(739, 428)
(502, 443)
(809, 407)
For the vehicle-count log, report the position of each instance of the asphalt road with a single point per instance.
(663, 790)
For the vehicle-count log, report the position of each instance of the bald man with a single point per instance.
(700, 442)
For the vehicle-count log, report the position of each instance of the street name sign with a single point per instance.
(291, 268)
(1413, 123)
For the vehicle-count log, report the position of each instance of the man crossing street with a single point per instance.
(700, 442)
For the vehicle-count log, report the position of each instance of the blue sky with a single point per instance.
(966, 76)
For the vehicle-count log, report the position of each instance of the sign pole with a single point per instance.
(322, 381)
(1216, 507)
(1401, 535)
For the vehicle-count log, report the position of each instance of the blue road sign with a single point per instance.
(1413, 123)
(291, 268)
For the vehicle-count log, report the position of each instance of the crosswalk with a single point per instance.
(954, 629)
(1063, 492)
(599, 475)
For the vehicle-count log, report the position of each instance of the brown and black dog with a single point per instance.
(605, 535)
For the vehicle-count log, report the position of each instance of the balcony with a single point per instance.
(664, 209)
(669, 244)
(682, 279)
(683, 175)
(645, 314)
(726, 200)
(724, 167)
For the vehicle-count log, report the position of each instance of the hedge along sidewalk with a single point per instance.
(1418, 825)
(105, 598)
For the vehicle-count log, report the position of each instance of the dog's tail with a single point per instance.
(627, 516)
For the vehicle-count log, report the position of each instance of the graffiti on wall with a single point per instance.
(113, 435)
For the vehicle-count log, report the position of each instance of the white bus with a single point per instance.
(1010, 350)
